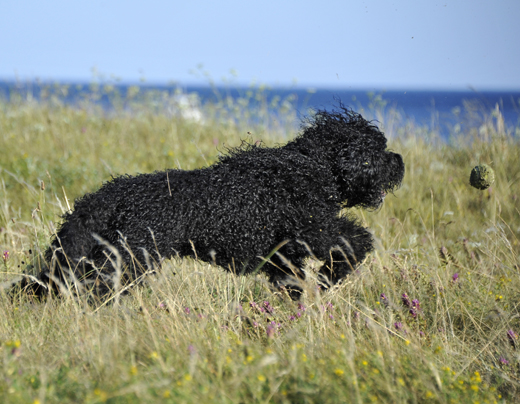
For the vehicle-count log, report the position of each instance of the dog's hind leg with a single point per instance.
(67, 263)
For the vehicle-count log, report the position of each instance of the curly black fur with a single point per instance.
(253, 201)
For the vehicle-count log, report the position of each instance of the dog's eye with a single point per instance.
(366, 163)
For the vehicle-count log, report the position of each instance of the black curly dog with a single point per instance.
(256, 208)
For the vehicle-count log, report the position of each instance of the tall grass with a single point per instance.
(431, 316)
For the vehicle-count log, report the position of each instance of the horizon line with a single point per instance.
(240, 85)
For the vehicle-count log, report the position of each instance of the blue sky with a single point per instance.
(379, 44)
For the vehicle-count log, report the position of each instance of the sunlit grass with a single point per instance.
(431, 316)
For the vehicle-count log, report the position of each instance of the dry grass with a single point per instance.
(191, 333)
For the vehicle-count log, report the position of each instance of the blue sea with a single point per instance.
(435, 110)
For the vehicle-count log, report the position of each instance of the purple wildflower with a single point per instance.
(383, 299)
(5, 255)
(292, 318)
(299, 314)
(422, 334)
(415, 308)
(398, 326)
(455, 277)
(301, 307)
(406, 300)
(187, 310)
(503, 361)
(330, 306)
(512, 336)
(256, 307)
(268, 307)
(191, 349)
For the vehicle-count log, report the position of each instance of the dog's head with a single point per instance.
(365, 171)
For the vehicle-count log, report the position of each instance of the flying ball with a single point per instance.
(482, 176)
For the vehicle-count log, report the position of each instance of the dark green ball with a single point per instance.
(482, 176)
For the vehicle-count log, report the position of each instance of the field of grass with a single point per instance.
(433, 315)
